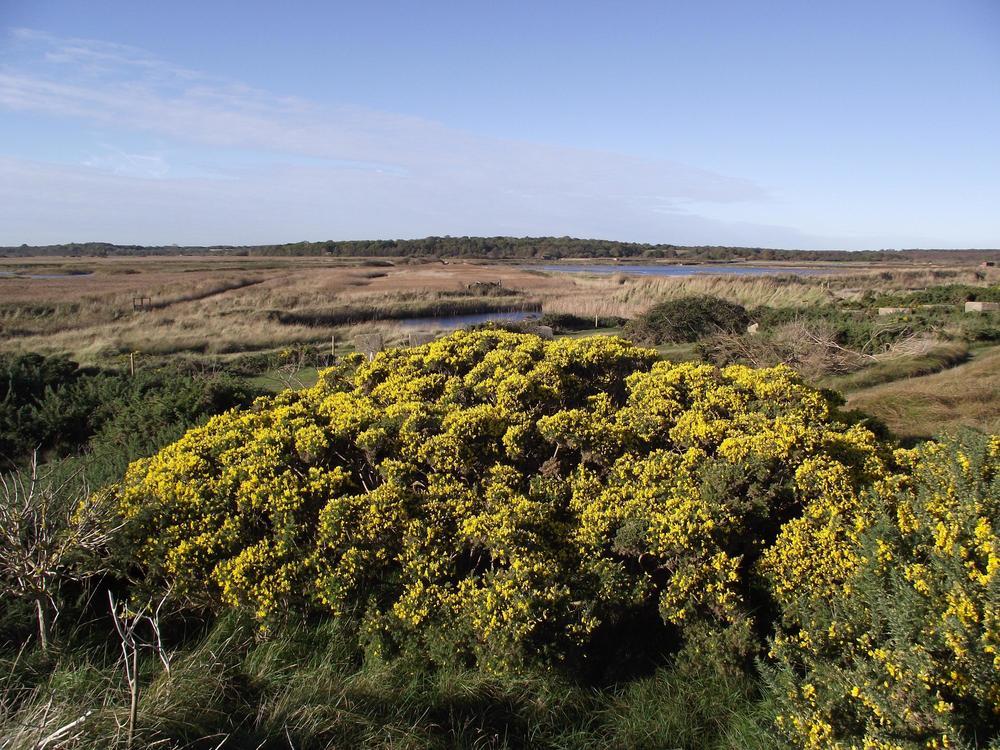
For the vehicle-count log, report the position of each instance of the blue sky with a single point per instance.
(787, 124)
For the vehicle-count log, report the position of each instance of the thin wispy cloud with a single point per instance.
(366, 173)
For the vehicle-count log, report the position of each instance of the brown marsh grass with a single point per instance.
(626, 296)
(215, 305)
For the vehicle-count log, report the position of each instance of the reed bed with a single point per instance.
(625, 296)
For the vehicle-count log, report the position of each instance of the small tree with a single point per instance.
(50, 533)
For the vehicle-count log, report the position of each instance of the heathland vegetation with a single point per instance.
(728, 512)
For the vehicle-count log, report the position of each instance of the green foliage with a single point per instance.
(308, 687)
(899, 647)
(944, 294)
(52, 405)
(567, 322)
(88, 426)
(687, 319)
(979, 327)
(419, 306)
(494, 540)
(36, 407)
(859, 330)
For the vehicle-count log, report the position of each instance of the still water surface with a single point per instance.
(17, 275)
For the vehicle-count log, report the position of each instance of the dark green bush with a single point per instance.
(52, 405)
(953, 294)
(35, 408)
(687, 319)
(565, 322)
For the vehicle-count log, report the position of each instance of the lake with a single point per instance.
(679, 270)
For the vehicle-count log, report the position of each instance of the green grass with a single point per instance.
(897, 368)
(678, 352)
(277, 380)
(309, 687)
(922, 407)
(605, 331)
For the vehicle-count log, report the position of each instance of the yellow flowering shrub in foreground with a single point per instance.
(495, 497)
(895, 642)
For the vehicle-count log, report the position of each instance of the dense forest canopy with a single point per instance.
(539, 248)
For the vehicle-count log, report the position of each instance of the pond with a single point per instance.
(461, 321)
(648, 269)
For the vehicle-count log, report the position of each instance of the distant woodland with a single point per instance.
(499, 248)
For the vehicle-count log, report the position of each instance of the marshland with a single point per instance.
(253, 311)
(499, 376)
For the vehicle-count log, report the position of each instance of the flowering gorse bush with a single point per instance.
(497, 497)
(891, 607)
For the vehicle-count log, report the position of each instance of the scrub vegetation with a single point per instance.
(661, 528)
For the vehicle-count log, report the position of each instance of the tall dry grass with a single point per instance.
(626, 296)
(220, 305)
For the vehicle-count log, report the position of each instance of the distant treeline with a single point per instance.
(537, 248)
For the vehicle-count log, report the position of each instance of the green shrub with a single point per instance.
(33, 409)
(494, 540)
(945, 294)
(687, 319)
(567, 322)
(52, 405)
